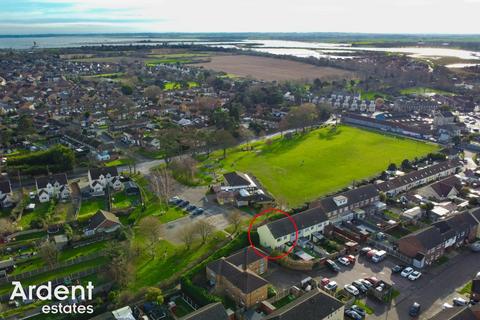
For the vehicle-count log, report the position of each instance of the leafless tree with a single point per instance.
(49, 253)
(162, 182)
(151, 229)
(235, 219)
(6, 226)
(185, 166)
(204, 230)
(187, 234)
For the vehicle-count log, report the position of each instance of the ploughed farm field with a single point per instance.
(322, 161)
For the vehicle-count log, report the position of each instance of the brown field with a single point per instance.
(271, 69)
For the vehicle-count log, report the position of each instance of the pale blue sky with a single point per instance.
(373, 16)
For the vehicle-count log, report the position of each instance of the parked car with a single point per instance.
(406, 272)
(414, 309)
(359, 310)
(332, 265)
(183, 203)
(324, 282)
(351, 289)
(332, 286)
(198, 211)
(475, 247)
(397, 268)
(190, 208)
(372, 280)
(379, 256)
(366, 283)
(357, 284)
(343, 261)
(351, 258)
(446, 306)
(174, 200)
(352, 314)
(459, 302)
(371, 253)
(365, 250)
(414, 275)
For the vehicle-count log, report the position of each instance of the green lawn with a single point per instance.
(91, 206)
(118, 162)
(322, 161)
(149, 272)
(425, 91)
(39, 212)
(121, 200)
(364, 306)
(466, 289)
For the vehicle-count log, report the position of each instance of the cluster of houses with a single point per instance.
(438, 182)
(56, 186)
(351, 103)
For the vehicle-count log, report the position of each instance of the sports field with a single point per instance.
(306, 167)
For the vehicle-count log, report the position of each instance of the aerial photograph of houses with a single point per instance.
(239, 160)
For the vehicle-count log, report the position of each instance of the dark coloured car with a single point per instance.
(397, 269)
(352, 314)
(198, 211)
(332, 265)
(183, 203)
(357, 284)
(358, 310)
(190, 208)
(414, 310)
(174, 200)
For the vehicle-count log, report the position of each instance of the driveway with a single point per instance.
(215, 214)
(436, 286)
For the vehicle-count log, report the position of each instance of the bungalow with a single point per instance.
(55, 185)
(240, 189)
(236, 277)
(6, 196)
(103, 222)
(100, 178)
(428, 245)
(420, 177)
(313, 305)
(444, 189)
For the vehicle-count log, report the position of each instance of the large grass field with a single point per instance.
(322, 161)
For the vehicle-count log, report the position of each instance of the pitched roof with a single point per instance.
(353, 196)
(312, 305)
(443, 187)
(61, 178)
(245, 280)
(440, 231)
(209, 312)
(235, 179)
(457, 313)
(95, 173)
(417, 175)
(305, 219)
(245, 255)
(103, 219)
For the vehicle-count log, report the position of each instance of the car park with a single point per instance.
(414, 309)
(359, 310)
(414, 275)
(332, 286)
(352, 314)
(351, 289)
(344, 261)
(397, 268)
(406, 272)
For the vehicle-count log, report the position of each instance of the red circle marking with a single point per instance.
(261, 254)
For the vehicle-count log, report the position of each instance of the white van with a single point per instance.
(379, 256)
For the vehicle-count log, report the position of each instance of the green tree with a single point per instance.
(154, 294)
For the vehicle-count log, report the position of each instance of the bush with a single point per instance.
(56, 159)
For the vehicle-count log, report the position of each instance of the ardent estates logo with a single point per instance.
(60, 293)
